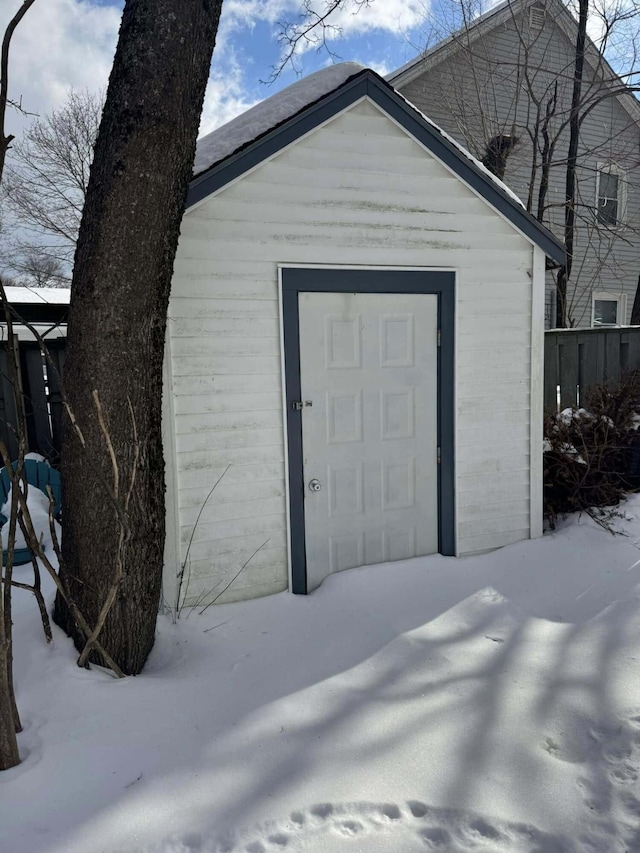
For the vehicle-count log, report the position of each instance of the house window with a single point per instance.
(608, 309)
(609, 195)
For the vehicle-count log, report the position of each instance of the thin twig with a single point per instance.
(186, 556)
(219, 625)
(36, 546)
(124, 532)
(107, 438)
(51, 366)
(237, 574)
(15, 476)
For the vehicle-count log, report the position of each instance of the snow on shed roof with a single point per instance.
(262, 131)
(269, 113)
(477, 163)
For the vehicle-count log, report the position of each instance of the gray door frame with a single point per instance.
(296, 280)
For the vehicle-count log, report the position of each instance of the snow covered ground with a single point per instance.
(484, 704)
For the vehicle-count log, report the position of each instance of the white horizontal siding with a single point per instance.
(263, 567)
(355, 192)
(190, 404)
(240, 547)
(225, 384)
(265, 523)
(228, 493)
(213, 459)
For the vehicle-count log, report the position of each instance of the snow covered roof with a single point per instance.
(20, 295)
(269, 113)
(38, 305)
(266, 128)
(465, 153)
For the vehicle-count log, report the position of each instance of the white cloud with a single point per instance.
(225, 97)
(379, 66)
(64, 44)
(352, 17)
(395, 16)
(59, 45)
(227, 94)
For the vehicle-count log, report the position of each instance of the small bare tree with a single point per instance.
(44, 189)
(19, 515)
(9, 718)
(37, 269)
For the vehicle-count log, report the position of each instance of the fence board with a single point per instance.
(551, 373)
(576, 359)
(36, 406)
(612, 357)
(8, 417)
(588, 374)
(58, 354)
(41, 396)
(634, 349)
(568, 371)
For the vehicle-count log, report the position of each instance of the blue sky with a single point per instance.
(64, 44)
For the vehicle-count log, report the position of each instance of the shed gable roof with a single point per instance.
(358, 82)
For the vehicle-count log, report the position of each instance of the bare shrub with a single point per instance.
(592, 453)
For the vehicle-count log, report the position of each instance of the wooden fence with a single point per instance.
(42, 399)
(574, 359)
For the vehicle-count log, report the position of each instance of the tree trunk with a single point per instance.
(120, 292)
(9, 719)
(635, 311)
(564, 273)
(9, 755)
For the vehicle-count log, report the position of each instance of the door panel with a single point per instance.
(368, 364)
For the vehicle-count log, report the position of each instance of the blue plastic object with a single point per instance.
(37, 474)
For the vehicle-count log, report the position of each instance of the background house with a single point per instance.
(356, 312)
(503, 87)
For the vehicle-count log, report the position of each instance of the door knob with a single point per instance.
(315, 485)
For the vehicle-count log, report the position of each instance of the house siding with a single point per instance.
(357, 191)
(475, 97)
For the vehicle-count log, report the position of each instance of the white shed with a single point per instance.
(354, 349)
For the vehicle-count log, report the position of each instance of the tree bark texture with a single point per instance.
(119, 300)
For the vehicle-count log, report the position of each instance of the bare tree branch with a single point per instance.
(5, 141)
(310, 31)
(487, 95)
(44, 189)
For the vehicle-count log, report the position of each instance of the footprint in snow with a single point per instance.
(410, 827)
(611, 791)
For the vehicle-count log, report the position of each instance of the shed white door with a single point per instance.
(368, 365)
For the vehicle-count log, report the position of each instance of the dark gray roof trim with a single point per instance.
(368, 83)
